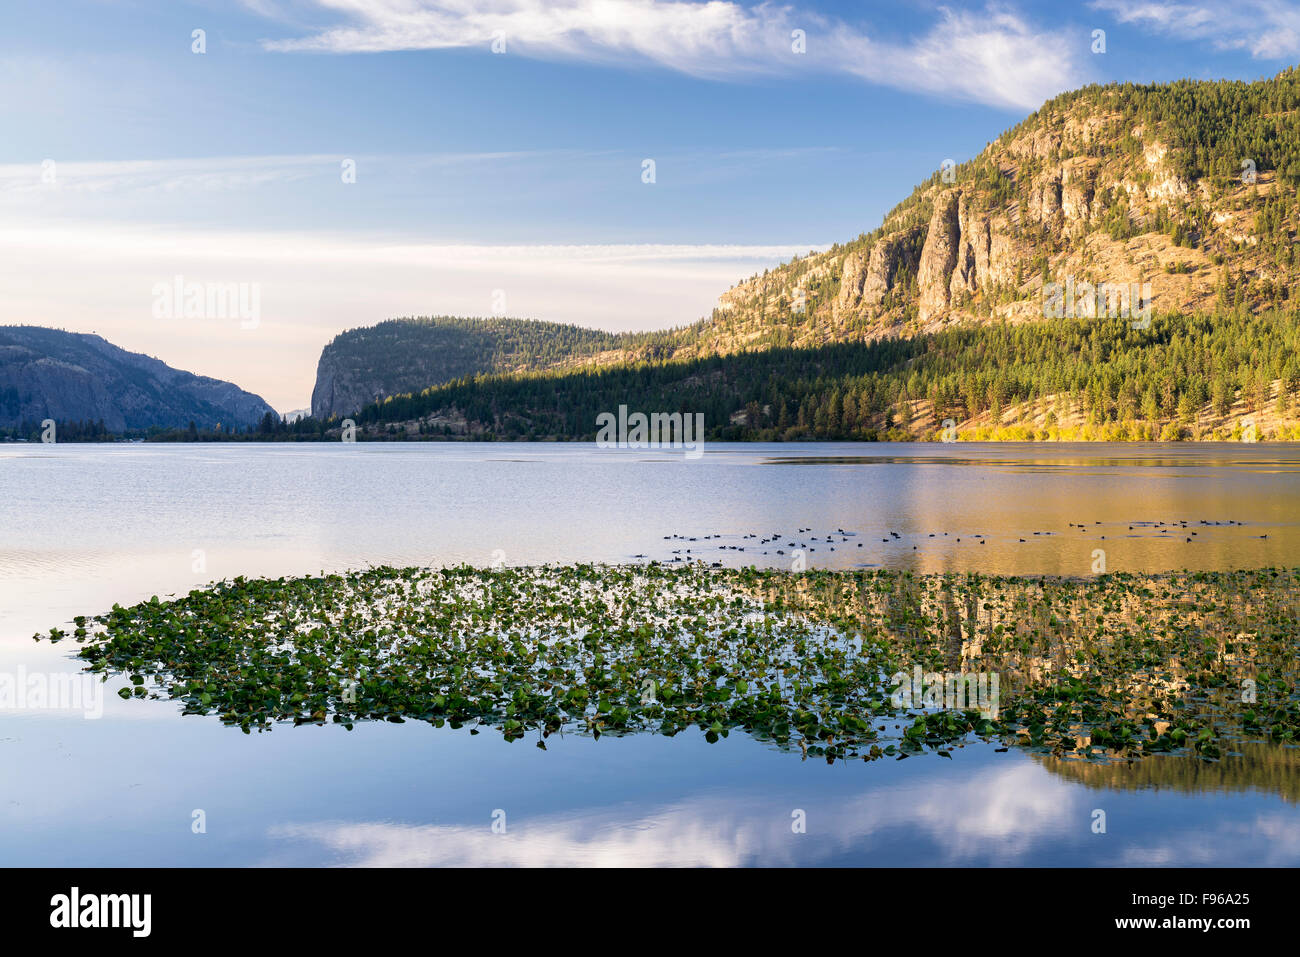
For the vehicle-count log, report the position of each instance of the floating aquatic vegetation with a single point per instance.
(837, 664)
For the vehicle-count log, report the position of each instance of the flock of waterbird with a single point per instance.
(807, 540)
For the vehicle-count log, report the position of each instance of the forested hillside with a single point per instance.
(1183, 378)
(399, 355)
(1184, 194)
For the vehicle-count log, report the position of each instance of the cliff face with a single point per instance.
(937, 274)
(363, 365)
(73, 377)
(867, 277)
(336, 392)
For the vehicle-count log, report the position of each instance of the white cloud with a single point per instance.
(1269, 29)
(993, 56)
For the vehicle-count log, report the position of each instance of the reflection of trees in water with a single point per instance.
(1264, 767)
(1115, 665)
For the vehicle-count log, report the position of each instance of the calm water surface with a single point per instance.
(82, 527)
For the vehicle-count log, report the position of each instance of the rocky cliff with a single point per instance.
(1189, 187)
(402, 355)
(75, 377)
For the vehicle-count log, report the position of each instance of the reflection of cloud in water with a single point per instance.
(1266, 840)
(987, 816)
(996, 816)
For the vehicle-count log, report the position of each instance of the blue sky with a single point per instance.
(515, 178)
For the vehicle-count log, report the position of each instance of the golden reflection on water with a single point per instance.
(1160, 660)
(1271, 768)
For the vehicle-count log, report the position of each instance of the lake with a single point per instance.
(87, 526)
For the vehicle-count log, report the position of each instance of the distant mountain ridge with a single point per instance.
(79, 377)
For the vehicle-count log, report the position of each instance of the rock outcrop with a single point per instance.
(939, 256)
(868, 277)
(852, 277)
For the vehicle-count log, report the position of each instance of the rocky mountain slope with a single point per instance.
(75, 377)
(1189, 187)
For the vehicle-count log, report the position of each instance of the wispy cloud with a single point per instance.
(216, 174)
(1268, 29)
(205, 174)
(992, 56)
(97, 276)
(168, 175)
(145, 243)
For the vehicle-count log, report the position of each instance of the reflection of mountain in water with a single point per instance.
(1270, 768)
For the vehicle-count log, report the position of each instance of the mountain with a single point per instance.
(1123, 227)
(1188, 186)
(1222, 376)
(76, 377)
(402, 355)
